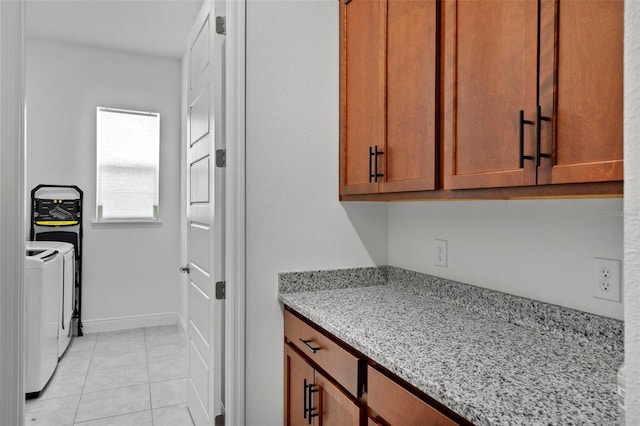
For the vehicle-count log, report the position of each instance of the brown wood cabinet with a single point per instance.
(298, 375)
(395, 405)
(312, 399)
(389, 95)
(532, 92)
(584, 137)
(323, 385)
(312, 396)
(362, 94)
(501, 99)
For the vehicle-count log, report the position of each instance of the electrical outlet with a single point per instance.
(441, 253)
(606, 279)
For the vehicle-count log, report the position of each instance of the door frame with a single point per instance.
(12, 219)
(234, 358)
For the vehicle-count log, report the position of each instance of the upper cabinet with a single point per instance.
(389, 97)
(584, 136)
(532, 92)
(362, 94)
(497, 98)
(490, 74)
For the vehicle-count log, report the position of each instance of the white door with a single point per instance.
(205, 216)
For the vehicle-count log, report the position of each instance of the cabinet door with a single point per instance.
(588, 61)
(410, 150)
(397, 406)
(335, 406)
(490, 74)
(297, 374)
(362, 92)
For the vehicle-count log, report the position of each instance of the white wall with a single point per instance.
(540, 249)
(12, 315)
(294, 220)
(127, 272)
(632, 209)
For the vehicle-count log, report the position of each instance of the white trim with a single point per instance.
(182, 325)
(12, 199)
(126, 224)
(125, 323)
(235, 215)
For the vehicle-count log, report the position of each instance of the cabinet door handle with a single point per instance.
(311, 348)
(522, 123)
(311, 390)
(539, 120)
(304, 399)
(376, 152)
(371, 154)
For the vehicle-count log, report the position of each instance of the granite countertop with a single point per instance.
(493, 358)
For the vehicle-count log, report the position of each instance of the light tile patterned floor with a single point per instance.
(130, 377)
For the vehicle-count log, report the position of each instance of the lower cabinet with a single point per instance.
(312, 399)
(394, 405)
(329, 383)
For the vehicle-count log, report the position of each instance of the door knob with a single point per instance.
(185, 269)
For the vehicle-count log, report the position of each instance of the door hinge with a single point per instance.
(221, 25)
(219, 420)
(220, 290)
(221, 158)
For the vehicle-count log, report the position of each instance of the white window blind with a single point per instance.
(128, 155)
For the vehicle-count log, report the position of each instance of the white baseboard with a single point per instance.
(182, 325)
(124, 323)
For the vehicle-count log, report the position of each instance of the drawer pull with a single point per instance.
(311, 348)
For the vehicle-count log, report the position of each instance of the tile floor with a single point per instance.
(130, 377)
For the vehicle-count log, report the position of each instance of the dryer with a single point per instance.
(43, 274)
(67, 288)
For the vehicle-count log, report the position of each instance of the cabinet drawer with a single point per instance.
(397, 406)
(339, 363)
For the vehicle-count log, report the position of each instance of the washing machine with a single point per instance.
(67, 288)
(43, 275)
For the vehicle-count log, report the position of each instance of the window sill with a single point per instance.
(126, 224)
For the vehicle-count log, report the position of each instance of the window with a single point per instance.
(128, 154)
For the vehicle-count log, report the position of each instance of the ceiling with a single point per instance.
(149, 27)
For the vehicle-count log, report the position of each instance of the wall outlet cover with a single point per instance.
(606, 280)
(440, 256)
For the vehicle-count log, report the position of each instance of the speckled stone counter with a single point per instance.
(493, 358)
